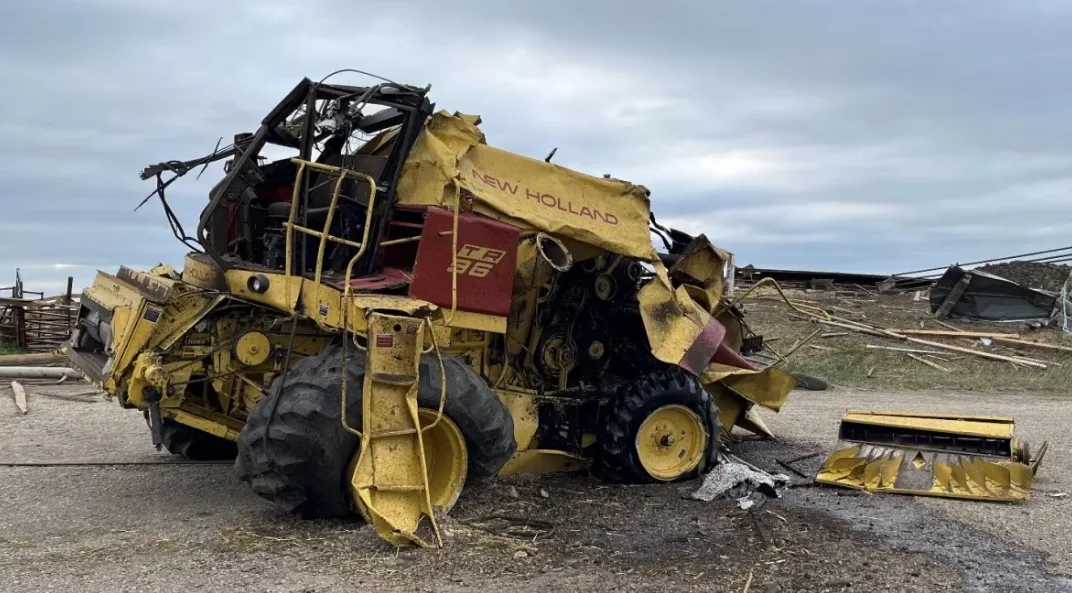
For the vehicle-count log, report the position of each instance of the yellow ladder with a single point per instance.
(390, 480)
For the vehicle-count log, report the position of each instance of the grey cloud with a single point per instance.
(941, 130)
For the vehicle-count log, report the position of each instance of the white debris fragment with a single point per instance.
(734, 478)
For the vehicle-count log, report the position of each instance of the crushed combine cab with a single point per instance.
(398, 309)
(954, 456)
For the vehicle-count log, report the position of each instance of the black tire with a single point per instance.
(631, 405)
(301, 463)
(192, 444)
(809, 382)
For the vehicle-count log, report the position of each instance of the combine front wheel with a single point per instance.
(661, 428)
(295, 452)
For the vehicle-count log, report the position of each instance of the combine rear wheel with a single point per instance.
(192, 444)
(295, 452)
(661, 428)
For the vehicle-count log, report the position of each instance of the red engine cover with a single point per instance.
(487, 258)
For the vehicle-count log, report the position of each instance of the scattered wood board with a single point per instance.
(954, 295)
(896, 349)
(927, 362)
(947, 325)
(1026, 361)
(20, 396)
(1003, 340)
(952, 333)
(859, 327)
(833, 334)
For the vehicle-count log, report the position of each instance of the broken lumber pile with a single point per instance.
(906, 335)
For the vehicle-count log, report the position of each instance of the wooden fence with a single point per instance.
(36, 324)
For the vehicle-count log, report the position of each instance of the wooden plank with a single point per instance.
(927, 362)
(896, 349)
(946, 325)
(854, 328)
(1035, 344)
(20, 395)
(953, 296)
(833, 334)
(1026, 361)
(859, 327)
(951, 333)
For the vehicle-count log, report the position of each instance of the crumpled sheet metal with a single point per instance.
(947, 455)
(737, 391)
(878, 468)
(452, 159)
(733, 478)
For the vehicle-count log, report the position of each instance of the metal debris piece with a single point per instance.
(986, 297)
(949, 455)
(734, 478)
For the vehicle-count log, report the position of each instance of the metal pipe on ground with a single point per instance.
(39, 373)
(42, 358)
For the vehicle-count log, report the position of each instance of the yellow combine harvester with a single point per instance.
(368, 325)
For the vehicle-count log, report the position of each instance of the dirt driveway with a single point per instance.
(183, 528)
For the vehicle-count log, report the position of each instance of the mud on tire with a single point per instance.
(294, 451)
(630, 406)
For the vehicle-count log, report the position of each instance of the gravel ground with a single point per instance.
(195, 527)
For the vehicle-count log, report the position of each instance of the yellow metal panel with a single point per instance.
(965, 426)
(451, 155)
(672, 320)
(207, 421)
(390, 479)
(769, 387)
(543, 461)
(754, 424)
(523, 410)
(282, 293)
(467, 319)
(731, 407)
(108, 292)
(907, 470)
(201, 271)
(907, 414)
(705, 264)
(180, 315)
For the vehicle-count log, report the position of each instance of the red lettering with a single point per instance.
(547, 200)
(505, 186)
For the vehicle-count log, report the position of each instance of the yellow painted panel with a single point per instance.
(997, 430)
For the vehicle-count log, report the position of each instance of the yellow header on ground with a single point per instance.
(451, 161)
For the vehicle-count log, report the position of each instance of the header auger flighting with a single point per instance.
(396, 309)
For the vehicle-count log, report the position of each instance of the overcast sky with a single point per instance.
(857, 136)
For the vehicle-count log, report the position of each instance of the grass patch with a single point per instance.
(845, 359)
(851, 368)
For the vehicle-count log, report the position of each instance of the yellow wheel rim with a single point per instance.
(446, 458)
(671, 442)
